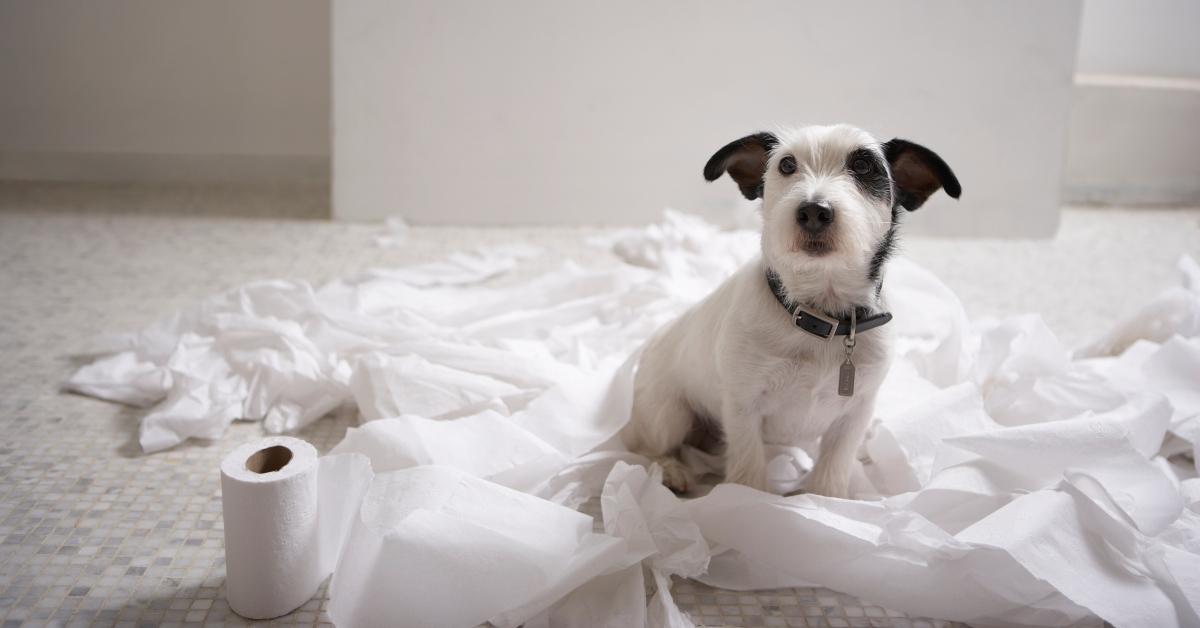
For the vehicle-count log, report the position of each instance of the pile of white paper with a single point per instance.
(1005, 482)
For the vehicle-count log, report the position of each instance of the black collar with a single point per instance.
(819, 323)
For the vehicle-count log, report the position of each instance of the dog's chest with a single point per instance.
(799, 400)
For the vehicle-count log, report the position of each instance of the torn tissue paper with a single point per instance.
(1005, 481)
(435, 546)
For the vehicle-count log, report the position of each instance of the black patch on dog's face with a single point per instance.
(745, 160)
(874, 180)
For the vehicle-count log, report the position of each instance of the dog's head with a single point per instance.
(832, 195)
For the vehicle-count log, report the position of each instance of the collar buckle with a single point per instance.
(817, 324)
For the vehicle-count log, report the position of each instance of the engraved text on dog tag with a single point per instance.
(846, 378)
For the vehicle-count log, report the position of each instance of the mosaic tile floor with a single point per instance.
(93, 533)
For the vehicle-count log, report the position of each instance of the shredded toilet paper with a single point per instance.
(1006, 481)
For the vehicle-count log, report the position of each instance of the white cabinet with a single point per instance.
(540, 111)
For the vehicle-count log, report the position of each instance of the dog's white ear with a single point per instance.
(745, 160)
(917, 173)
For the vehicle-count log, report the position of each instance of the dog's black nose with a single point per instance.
(814, 217)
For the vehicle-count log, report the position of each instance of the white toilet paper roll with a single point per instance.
(269, 499)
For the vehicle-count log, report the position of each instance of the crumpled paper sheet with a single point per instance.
(1006, 480)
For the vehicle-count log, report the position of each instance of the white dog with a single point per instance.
(793, 346)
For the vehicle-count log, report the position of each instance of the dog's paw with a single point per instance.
(675, 475)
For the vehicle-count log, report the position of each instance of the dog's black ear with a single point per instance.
(745, 160)
(917, 173)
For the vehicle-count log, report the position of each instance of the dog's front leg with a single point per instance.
(839, 447)
(745, 457)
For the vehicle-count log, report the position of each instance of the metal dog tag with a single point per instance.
(846, 375)
(846, 379)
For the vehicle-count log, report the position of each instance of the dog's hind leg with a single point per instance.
(657, 430)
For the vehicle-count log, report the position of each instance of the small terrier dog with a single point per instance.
(793, 346)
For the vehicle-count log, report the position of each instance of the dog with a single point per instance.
(794, 345)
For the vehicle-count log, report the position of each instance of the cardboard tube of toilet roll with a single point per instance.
(269, 493)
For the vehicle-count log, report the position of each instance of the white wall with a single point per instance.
(1145, 37)
(151, 88)
(539, 111)
(1135, 115)
(621, 102)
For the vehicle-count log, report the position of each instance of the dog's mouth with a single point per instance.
(814, 246)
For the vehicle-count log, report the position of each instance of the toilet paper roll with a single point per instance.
(273, 554)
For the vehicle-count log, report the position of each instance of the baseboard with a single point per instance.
(1132, 196)
(168, 168)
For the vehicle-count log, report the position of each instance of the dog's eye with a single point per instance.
(787, 165)
(861, 165)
